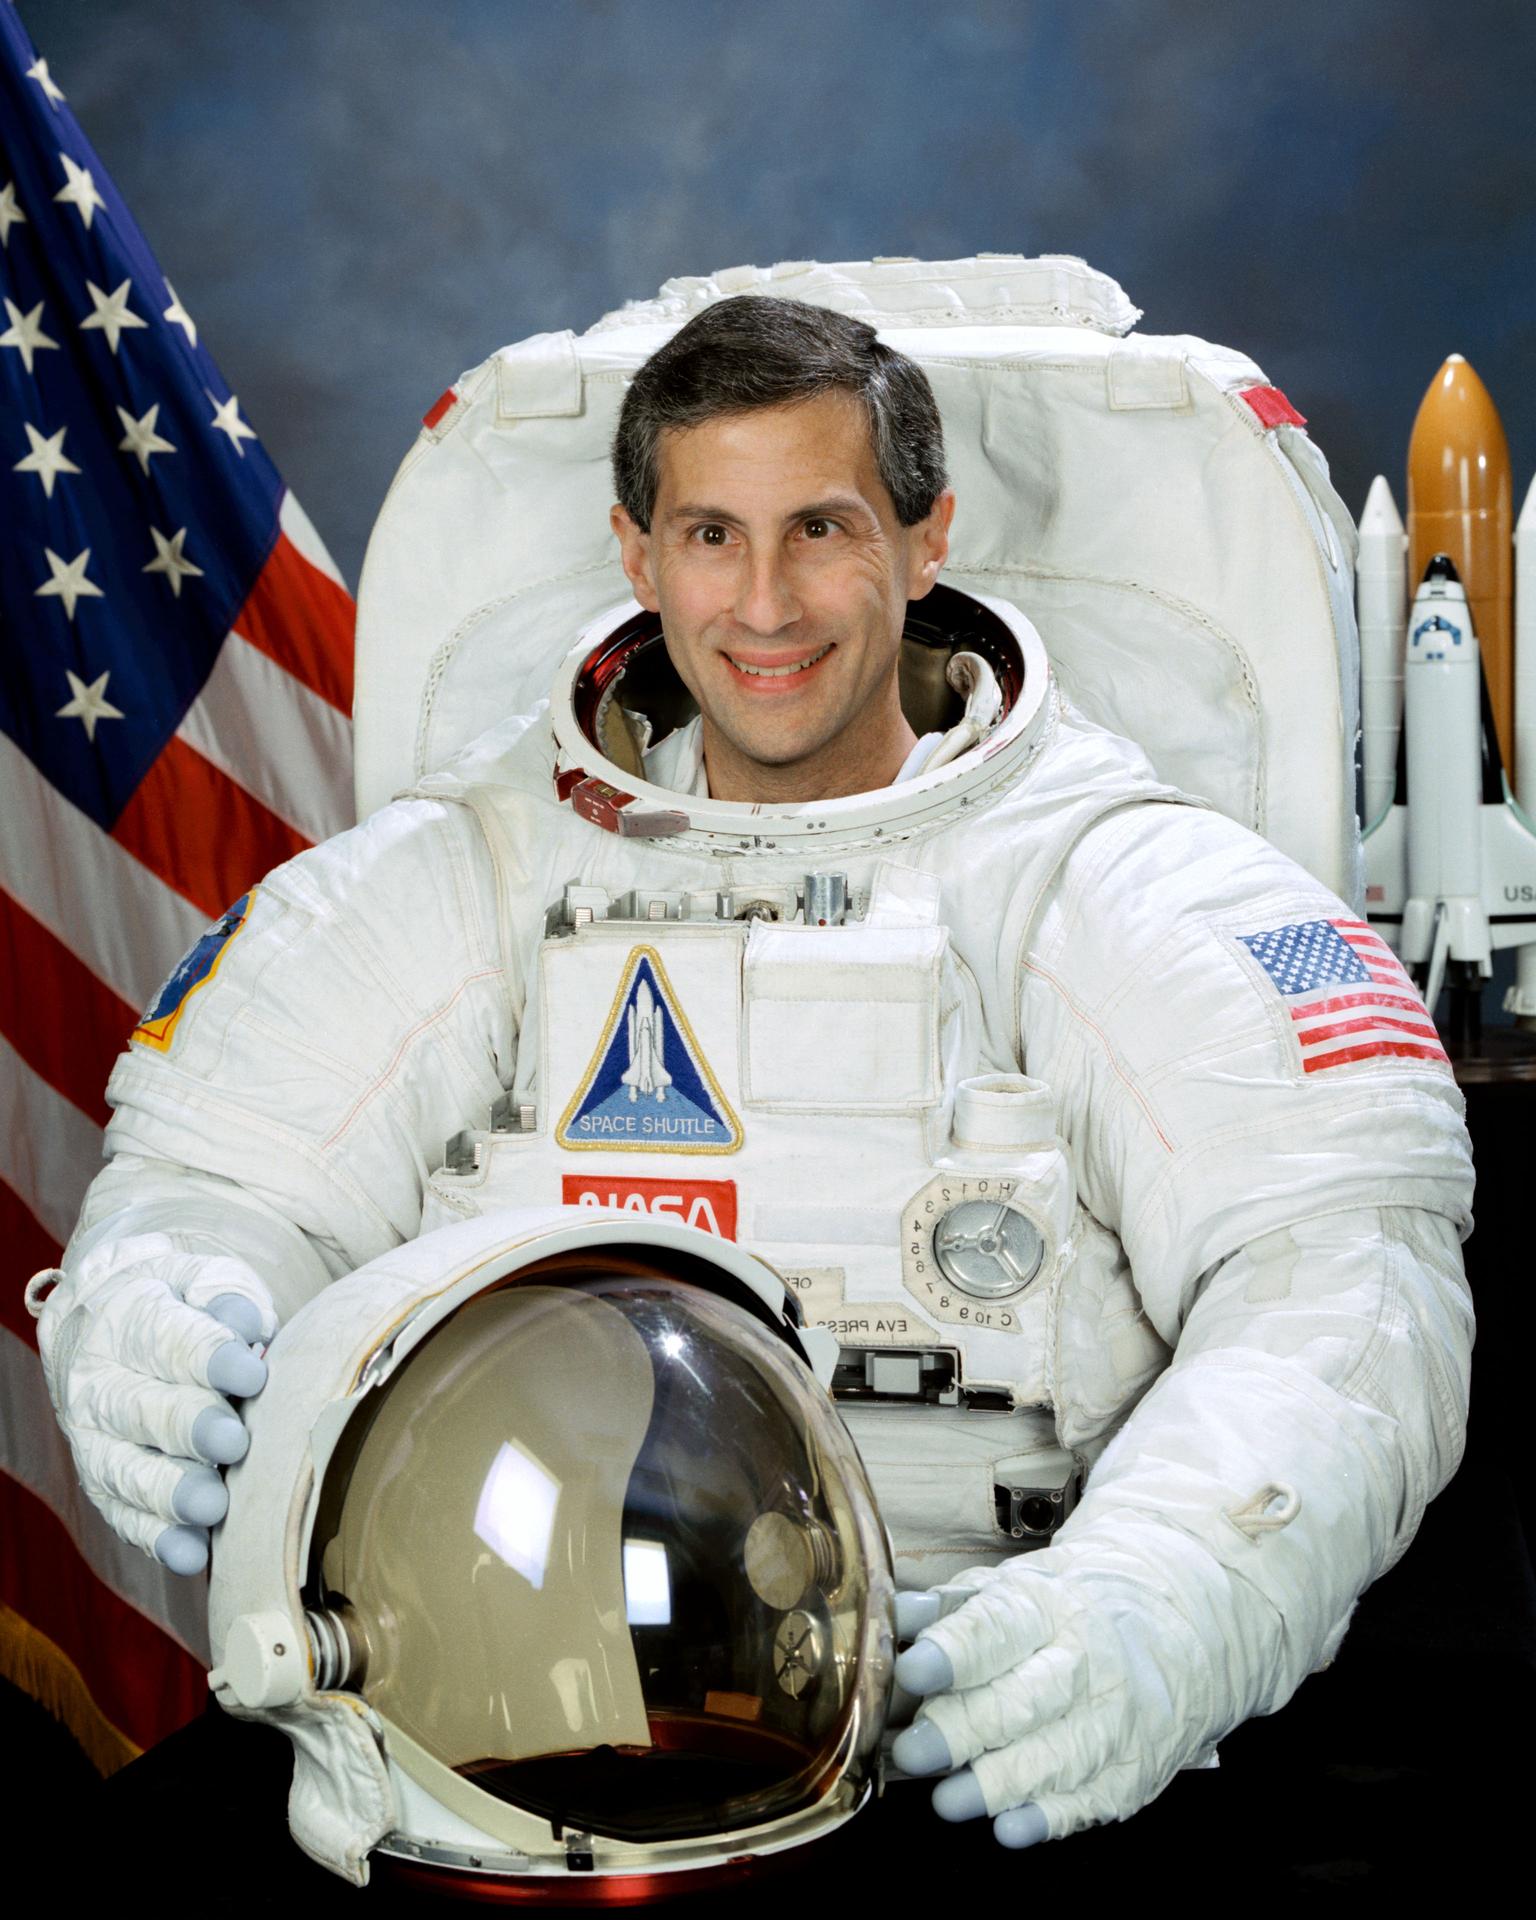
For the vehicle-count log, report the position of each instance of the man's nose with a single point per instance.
(766, 602)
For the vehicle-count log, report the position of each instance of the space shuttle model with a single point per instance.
(1448, 706)
(645, 1072)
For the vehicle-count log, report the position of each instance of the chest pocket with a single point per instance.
(841, 1019)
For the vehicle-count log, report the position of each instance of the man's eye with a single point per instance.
(711, 535)
(817, 529)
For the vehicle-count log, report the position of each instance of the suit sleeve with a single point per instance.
(290, 1105)
(1258, 1111)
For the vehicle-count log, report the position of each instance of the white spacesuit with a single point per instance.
(1097, 1131)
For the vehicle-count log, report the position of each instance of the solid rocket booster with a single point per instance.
(1381, 586)
(1525, 651)
(1459, 503)
(1442, 716)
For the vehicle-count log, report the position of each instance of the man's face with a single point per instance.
(782, 577)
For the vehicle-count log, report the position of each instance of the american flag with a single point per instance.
(175, 691)
(1347, 995)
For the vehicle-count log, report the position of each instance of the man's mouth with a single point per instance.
(781, 672)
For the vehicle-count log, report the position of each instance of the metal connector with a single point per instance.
(826, 899)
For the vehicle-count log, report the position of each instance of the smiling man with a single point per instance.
(784, 556)
(884, 909)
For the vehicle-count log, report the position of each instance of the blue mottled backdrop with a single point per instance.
(359, 198)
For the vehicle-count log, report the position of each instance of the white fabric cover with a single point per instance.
(1191, 571)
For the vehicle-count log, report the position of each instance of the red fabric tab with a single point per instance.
(567, 780)
(438, 408)
(597, 801)
(1271, 408)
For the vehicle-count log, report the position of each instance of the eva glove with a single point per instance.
(1061, 1695)
(141, 1344)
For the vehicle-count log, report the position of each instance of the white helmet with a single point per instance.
(554, 1560)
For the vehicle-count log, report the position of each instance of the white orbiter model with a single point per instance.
(645, 1072)
(1451, 858)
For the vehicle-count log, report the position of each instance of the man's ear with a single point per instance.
(635, 553)
(929, 546)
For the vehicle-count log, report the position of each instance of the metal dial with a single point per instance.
(967, 1253)
(988, 1249)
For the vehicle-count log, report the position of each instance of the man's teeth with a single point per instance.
(778, 673)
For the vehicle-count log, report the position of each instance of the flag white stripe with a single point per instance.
(50, 1151)
(34, 1451)
(1374, 953)
(1369, 993)
(269, 733)
(300, 529)
(1370, 1037)
(1328, 1039)
(119, 919)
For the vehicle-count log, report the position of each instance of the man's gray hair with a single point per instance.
(756, 351)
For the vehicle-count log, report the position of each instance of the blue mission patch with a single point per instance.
(191, 972)
(649, 1088)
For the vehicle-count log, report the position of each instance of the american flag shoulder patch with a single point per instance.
(1346, 992)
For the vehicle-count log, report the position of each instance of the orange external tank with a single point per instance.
(1460, 502)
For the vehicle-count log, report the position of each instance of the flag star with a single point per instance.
(39, 72)
(170, 561)
(81, 192)
(25, 333)
(10, 214)
(69, 581)
(112, 313)
(227, 419)
(177, 314)
(47, 458)
(139, 436)
(90, 703)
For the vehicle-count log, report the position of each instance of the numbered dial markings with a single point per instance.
(966, 1251)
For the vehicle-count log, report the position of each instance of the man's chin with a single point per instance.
(779, 752)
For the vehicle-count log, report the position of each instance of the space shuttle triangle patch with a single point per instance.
(649, 1088)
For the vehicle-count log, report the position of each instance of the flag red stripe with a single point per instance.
(1402, 1049)
(1341, 1002)
(29, 1248)
(144, 1683)
(66, 1025)
(1314, 1034)
(201, 831)
(301, 619)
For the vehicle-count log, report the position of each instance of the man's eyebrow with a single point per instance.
(837, 504)
(688, 510)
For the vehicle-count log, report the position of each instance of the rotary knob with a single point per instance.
(988, 1249)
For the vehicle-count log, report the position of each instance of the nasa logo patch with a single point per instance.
(649, 1088)
(196, 969)
(709, 1205)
